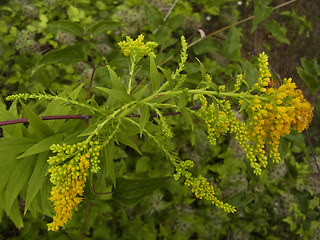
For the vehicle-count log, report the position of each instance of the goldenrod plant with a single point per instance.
(131, 108)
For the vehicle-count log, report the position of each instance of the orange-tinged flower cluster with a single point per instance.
(68, 176)
(201, 188)
(269, 120)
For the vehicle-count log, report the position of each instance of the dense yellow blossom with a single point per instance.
(137, 47)
(68, 176)
(272, 113)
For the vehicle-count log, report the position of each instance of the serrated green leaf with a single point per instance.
(277, 31)
(37, 179)
(120, 95)
(144, 117)
(130, 191)
(175, 21)
(20, 176)
(124, 139)
(42, 146)
(154, 74)
(69, 54)
(102, 26)
(232, 45)
(108, 152)
(70, 27)
(115, 80)
(36, 122)
(261, 12)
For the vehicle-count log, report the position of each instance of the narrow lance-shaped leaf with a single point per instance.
(74, 53)
(37, 179)
(120, 95)
(15, 215)
(36, 122)
(108, 152)
(154, 74)
(261, 12)
(144, 117)
(131, 191)
(277, 31)
(20, 176)
(123, 138)
(42, 146)
(70, 27)
(101, 27)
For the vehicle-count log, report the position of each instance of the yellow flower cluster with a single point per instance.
(217, 122)
(264, 73)
(69, 171)
(272, 113)
(137, 47)
(200, 186)
(225, 122)
(269, 120)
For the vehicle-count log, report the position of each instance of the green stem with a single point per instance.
(131, 72)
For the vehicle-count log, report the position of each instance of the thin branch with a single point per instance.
(54, 117)
(235, 24)
(85, 221)
(170, 10)
(91, 81)
(84, 117)
(313, 153)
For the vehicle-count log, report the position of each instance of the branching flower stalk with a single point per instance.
(272, 112)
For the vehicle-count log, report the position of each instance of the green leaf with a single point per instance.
(75, 93)
(168, 75)
(261, 12)
(154, 74)
(19, 178)
(208, 45)
(144, 117)
(310, 67)
(130, 191)
(175, 21)
(15, 215)
(277, 31)
(10, 147)
(182, 100)
(186, 114)
(202, 69)
(124, 139)
(102, 26)
(302, 199)
(120, 95)
(70, 27)
(42, 146)
(36, 122)
(139, 94)
(232, 45)
(154, 16)
(115, 80)
(310, 80)
(69, 54)
(37, 179)
(108, 152)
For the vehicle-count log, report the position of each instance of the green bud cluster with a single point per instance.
(200, 186)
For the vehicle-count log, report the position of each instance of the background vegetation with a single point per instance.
(283, 203)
